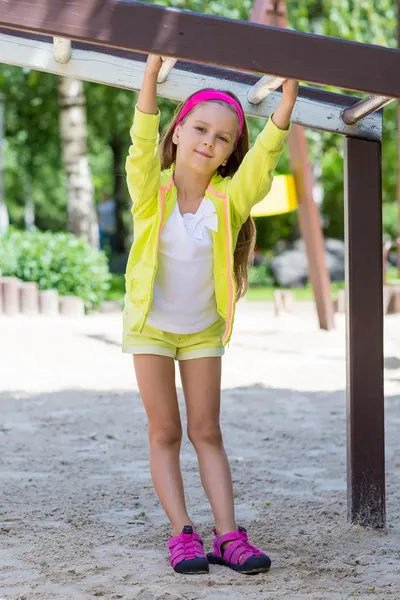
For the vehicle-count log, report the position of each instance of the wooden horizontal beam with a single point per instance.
(211, 40)
(314, 108)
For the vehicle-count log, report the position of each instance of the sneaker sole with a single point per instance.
(193, 566)
(249, 570)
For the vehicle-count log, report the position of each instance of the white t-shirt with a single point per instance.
(183, 293)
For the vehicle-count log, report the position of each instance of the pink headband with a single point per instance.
(205, 96)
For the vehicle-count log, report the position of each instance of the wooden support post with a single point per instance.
(10, 290)
(72, 306)
(278, 302)
(49, 303)
(341, 301)
(288, 301)
(273, 12)
(29, 298)
(365, 398)
(393, 304)
(283, 302)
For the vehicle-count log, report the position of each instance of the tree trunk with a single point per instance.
(29, 213)
(119, 191)
(82, 217)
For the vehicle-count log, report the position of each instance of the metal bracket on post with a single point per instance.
(61, 50)
(353, 114)
(167, 66)
(265, 86)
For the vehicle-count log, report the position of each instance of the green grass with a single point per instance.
(305, 294)
(255, 294)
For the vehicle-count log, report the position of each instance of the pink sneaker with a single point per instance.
(187, 554)
(240, 555)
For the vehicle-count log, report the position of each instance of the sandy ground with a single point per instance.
(78, 515)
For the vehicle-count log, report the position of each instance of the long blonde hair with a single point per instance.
(244, 249)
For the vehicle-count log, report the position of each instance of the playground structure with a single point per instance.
(109, 43)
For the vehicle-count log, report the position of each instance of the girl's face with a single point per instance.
(206, 137)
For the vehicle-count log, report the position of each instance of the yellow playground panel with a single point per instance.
(282, 198)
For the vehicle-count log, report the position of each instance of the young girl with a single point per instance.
(188, 265)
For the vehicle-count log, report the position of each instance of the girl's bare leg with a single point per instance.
(201, 380)
(156, 380)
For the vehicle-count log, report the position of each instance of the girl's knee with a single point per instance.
(201, 434)
(165, 435)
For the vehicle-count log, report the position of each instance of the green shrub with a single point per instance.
(59, 261)
(260, 275)
(390, 213)
(8, 256)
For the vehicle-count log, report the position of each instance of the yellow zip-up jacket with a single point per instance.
(154, 195)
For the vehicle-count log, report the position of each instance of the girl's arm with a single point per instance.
(283, 113)
(147, 101)
(253, 180)
(143, 162)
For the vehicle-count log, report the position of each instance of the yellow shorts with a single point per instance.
(204, 344)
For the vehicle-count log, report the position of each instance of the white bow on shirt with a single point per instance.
(205, 216)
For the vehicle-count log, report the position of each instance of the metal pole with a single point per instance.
(61, 50)
(364, 299)
(166, 68)
(363, 108)
(263, 88)
(273, 12)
